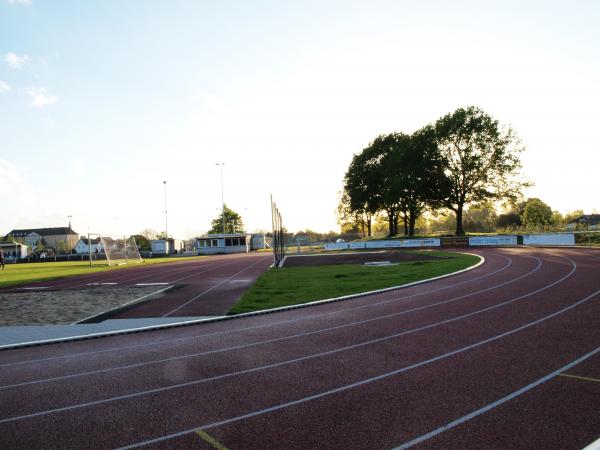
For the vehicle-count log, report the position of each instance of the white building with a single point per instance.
(14, 250)
(223, 243)
(83, 248)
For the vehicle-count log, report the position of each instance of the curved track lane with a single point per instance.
(454, 363)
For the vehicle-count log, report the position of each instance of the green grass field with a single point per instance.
(295, 285)
(15, 274)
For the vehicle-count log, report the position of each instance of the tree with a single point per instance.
(142, 241)
(480, 218)
(233, 222)
(481, 160)
(362, 192)
(149, 234)
(509, 219)
(536, 214)
(416, 174)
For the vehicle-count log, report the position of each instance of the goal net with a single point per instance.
(120, 250)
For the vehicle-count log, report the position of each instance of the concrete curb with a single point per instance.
(243, 315)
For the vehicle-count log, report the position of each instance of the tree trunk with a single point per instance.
(391, 218)
(459, 221)
(369, 226)
(405, 220)
(395, 225)
(411, 224)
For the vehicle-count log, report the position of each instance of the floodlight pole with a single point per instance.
(166, 222)
(222, 200)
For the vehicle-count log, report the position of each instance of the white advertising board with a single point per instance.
(421, 243)
(404, 243)
(549, 239)
(493, 240)
(357, 245)
(336, 246)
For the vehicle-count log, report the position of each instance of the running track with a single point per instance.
(504, 356)
(205, 287)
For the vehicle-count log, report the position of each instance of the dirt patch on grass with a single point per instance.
(356, 258)
(66, 306)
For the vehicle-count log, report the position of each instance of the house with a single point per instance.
(223, 243)
(167, 246)
(61, 239)
(587, 221)
(83, 246)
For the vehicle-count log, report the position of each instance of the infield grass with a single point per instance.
(16, 274)
(296, 285)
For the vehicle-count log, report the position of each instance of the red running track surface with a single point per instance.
(504, 356)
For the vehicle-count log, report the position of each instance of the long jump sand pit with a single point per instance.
(328, 259)
(65, 306)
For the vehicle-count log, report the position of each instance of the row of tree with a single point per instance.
(464, 158)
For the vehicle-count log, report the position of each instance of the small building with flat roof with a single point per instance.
(213, 244)
(14, 250)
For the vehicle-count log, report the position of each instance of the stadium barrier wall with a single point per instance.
(403, 243)
(492, 240)
(549, 239)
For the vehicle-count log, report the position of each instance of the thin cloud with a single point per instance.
(15, 61)
(4, 87)
(40, 97)
(19, 2)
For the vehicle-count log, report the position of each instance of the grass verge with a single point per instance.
(16, 274)
(296, 285)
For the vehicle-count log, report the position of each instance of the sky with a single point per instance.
(101, 102)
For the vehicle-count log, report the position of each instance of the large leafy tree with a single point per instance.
(352, 221)
(398, 174)
(416, 174)
(482, 160)
(233, 222)
(362, 187)
(536, 214)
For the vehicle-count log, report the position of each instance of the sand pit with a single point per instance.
(356, 258)
(66, 306)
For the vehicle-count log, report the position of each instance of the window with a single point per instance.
(214, 243)
(229, 242)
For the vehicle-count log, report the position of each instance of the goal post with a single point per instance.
(120, 250)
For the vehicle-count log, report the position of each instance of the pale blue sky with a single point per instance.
(101, 101)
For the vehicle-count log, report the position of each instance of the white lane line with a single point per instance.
(196, 297)
(357, 384)
(270, 341)
(490, 406)
(316, 355)
(34, 288)
(150, 284)
(282, 322)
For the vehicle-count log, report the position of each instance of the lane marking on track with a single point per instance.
(282, 322)
(211, 440)
(577, 377)
(150, 284)
(196, 297)
(390, 374)
(269, 341)
(499, 402)
(326, 353)
(35, 288)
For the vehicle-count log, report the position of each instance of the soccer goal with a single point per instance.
(120, 250)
